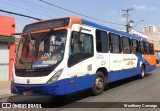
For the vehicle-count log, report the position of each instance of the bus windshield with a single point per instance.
(41, 50)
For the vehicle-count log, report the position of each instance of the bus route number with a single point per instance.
(46, 55)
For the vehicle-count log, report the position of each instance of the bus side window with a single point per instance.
(115, 43)
(142, 47)
(101, 41)
(151, 49)
(126, 45)
(135, 46)
(147, 48)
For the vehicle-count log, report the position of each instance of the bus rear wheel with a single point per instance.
(99, 84)
(143, 72)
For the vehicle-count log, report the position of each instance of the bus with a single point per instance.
(66, 55)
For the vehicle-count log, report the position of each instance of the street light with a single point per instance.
(136, 24)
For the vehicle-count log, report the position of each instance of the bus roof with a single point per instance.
(82, 21)
(112, 30)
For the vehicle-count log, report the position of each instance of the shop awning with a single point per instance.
(7, 38)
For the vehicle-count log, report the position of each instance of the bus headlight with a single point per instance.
(55, 76)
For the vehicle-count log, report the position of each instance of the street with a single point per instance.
(128, 90)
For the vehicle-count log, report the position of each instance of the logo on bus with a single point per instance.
(28, 81)
(130, 63)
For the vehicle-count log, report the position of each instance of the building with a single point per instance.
(158, 28)
(153, 33)
(7, 47)
(149, 29)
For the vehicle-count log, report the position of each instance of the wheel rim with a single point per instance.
(142, 73)
(99, 83)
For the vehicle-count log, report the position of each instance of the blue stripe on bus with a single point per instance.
(66, 86)
(150, 68)
(60, 87)
(122, 74)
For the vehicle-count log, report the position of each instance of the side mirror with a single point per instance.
(15, 34)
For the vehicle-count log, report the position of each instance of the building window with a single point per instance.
(101, 41)
(115, 43)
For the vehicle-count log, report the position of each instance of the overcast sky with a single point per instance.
(108, 10)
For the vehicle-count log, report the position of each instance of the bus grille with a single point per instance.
(35, 90)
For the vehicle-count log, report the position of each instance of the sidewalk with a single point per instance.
(5, 87)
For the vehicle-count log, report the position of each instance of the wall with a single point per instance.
(7, 49)
(7, 25)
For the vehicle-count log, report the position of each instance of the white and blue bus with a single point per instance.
(66, 55)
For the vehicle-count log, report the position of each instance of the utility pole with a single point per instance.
(126, 15)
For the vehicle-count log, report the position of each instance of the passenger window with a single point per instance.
(101, 41)
(151, 49)
(135, 46)
(147, 48)
(114, 43)
(142, 47)
(126, 45)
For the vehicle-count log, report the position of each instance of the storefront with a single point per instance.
(7, 51)
(7, 47)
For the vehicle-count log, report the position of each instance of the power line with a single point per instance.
(19, 14)
(136, 25)
(20, 19)
(38, 7)
(24, 8)
(45, 8)
(27, 8)
(79, 13)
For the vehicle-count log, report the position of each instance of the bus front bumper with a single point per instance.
(61, 87)
(55, 88)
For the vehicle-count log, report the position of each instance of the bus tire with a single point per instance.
(99, 84)
(143, 72)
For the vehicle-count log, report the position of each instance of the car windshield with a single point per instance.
(41, 50)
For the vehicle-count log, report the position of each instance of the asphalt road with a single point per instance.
(128, 90)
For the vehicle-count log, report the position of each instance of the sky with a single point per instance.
(107, 10)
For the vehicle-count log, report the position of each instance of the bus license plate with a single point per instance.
(27, 93)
